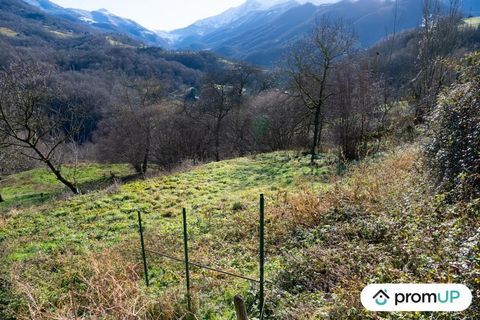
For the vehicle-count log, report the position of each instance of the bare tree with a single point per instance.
(438, 37)
(31, 122)
(358, 116)
(178, 137)
(279, 121)
(222, 91)
(310, 66)
(126, 134)
(140, 97)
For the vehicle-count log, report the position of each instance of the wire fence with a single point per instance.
(187, 263)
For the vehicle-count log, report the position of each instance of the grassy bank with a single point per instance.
(327, 237)
(221, 199)
(36, 186)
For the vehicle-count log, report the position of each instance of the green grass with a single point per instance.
(215, 189)
(222, 203)
(39, 185)
(326, 239)
(8, 32)
(472, 22)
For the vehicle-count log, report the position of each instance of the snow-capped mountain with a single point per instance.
(259, 31)
(206, 26)
(102, 20)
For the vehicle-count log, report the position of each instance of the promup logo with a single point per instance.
(416, 297)
(381, 297)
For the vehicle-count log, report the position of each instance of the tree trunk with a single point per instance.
(145, 161)
(60, 178)
(1, 199)
(315, 133)
(146, 156)
(217, 140)
(320, 133)
(56, 172)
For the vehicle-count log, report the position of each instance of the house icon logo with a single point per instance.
(381, 297)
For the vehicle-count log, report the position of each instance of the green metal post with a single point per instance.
(142, 243)
(262, 255)
(187, 265)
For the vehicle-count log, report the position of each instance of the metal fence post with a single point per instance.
(262, 255)
(142, 244)
(187, 266)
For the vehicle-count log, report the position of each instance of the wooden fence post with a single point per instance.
(240, 308)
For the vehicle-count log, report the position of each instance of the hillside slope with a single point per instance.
(39, 185)
(261, 35)
(101, 20)
(82, 51)
(217, 195)
(326, 239)
(30, 24)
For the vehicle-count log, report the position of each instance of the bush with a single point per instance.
(453, 151)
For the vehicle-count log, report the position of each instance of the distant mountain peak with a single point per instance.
(266, 4)
(102, 20)
(259, 31)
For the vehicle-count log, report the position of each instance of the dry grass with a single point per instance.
(102, 285)
(380, 223)
(370, 184)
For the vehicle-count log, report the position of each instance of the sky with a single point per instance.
(159, 14)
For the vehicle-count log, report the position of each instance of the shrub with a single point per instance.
(237, 206)
(453, 151)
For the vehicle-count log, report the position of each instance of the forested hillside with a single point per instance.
(262, 33)
(101, 20)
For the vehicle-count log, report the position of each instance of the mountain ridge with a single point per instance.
(261, 34)
(102, 20)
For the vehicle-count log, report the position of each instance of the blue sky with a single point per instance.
(160, 14)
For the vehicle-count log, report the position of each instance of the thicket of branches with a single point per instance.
(453, 148)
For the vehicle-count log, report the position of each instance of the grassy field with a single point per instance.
(473, 22)
(327, 237)
(39, 185)
(8, 32)
(221, 199)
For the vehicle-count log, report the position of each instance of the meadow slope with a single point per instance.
(222, 201)
(327, 236)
